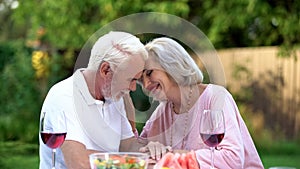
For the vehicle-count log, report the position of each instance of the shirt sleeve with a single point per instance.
(56, 102)
(75, 131)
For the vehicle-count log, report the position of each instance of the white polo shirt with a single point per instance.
(98, 125)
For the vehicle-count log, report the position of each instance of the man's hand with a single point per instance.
(76, 155)
(156, 149)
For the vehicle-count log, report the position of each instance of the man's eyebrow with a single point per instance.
(133, 79)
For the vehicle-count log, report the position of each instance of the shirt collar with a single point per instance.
(81, 85)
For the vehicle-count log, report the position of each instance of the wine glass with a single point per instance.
(212, 129)
(53, 131)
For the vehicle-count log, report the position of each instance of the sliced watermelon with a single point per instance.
(178, 161)
(182, 161)
(192, 160)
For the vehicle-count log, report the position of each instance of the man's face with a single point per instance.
(124, 77)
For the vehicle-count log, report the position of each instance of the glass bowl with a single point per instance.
(119, 160)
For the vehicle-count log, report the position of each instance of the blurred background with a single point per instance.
(258, 42)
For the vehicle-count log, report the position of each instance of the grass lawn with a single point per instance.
(15, 155)
(280, 153)
(281, 160)
(20, 162)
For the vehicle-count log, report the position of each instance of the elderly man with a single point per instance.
(92, 101)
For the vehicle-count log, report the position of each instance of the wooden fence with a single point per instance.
(268, 83)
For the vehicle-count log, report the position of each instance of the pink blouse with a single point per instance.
(181, 131)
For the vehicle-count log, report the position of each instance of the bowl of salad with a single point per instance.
(119, 160)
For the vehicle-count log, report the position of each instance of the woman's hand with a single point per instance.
(156, 150)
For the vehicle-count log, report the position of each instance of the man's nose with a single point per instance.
(132, 86)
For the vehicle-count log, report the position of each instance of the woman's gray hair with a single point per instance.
(175, 60)
(114, 48)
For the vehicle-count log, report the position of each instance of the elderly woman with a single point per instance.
(172, 77)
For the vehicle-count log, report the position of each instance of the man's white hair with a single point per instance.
(114, 48)
(169, 55)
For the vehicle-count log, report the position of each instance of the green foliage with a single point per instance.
(227, 23)
(22, 93)
(248, 23)
(19, 97)
(68, 24)
(6, 52)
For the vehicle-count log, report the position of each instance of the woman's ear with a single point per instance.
(104, 69)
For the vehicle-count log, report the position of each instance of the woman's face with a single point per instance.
(158, 83)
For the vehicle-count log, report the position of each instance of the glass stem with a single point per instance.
(212, 157)
(53, 158)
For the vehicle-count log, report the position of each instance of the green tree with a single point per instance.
(237, 23)
(40, 42)
(19, 97)
(69, 24)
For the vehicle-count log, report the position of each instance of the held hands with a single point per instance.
(156, 150)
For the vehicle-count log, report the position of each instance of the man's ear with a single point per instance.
(104, 69)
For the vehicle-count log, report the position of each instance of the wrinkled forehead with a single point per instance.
(131, 66)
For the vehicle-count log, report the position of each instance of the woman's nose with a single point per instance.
(146, 81)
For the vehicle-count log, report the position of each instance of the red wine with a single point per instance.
(212, 140)
(53, 140)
